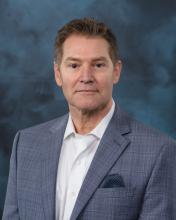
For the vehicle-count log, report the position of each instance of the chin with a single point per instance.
(90, 107)
(84, 105)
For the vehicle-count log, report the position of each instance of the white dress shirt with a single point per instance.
(76, 156)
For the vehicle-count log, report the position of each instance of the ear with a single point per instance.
(57, 74)
(117, 71)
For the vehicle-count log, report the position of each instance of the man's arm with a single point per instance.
(160, 197)
(11, 203)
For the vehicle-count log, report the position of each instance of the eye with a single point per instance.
(73, 65)
(99, 65)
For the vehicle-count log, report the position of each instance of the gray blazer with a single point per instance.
(132, 176)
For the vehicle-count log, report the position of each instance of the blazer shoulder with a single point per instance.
(46, 126)
(150, 135)
(137, 131)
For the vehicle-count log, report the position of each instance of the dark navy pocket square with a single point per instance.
(112, 181)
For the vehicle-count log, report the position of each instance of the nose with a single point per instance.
(86, 76)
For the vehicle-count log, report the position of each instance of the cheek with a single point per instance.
(67, 87)
(106, 83)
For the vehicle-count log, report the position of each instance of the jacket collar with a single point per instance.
(51, 147)
(111, 147)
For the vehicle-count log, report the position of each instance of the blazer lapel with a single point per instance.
(110, 149)
(51, 147)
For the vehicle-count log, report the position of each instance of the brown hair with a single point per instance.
(87, 27)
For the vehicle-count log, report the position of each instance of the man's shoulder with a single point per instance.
(127, 119)
(47, 125)
(141, 133)
(148, 135)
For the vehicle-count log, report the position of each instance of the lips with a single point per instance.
(87, 90)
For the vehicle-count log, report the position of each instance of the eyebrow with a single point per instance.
(101, 58)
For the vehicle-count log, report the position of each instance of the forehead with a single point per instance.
(83, 46)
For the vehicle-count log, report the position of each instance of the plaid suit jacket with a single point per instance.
(132, 175)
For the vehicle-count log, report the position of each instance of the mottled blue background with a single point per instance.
(146, 31)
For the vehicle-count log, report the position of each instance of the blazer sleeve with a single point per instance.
(11, 203)
(160, 195)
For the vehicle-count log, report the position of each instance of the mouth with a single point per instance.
(87, 91)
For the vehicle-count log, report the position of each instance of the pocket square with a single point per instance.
(112, 181)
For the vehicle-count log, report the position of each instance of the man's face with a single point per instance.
(86, 73)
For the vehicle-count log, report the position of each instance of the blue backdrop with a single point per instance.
(28, 95)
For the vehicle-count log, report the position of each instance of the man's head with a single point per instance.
(85, 27)
(86, 65)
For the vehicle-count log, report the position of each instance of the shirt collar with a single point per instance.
(98, 131)
(70, 127)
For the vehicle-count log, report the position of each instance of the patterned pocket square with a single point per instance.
(112, 181)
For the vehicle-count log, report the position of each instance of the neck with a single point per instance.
(86, 120)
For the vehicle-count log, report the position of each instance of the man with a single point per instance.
(95, 163)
